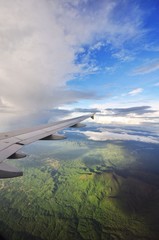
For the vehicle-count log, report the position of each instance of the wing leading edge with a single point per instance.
(11, 142)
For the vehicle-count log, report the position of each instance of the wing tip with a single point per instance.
(92, 116)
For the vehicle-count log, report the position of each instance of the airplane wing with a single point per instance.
(11, 142)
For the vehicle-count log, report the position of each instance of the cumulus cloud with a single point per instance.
(39, 42)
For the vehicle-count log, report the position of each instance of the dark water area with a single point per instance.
(83, 190)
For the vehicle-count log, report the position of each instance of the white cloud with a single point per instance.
(84, 19)
(108, 135)
(39, 41)
(117, 120)
(135, 91)
(97, 46)
(123, 55)
(107, 116)
(151, 67)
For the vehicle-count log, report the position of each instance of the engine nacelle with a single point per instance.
(17, 155)
(54, 137)
(8, 171)
(78, 125)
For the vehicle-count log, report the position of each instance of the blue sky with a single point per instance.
(125, 73)
(63, 55)
(131, 67)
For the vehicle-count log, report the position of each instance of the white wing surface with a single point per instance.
(11, 142)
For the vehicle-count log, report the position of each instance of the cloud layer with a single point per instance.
(40, 41)
(132, 110)
(111, 136)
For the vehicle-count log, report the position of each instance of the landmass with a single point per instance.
(106, 192)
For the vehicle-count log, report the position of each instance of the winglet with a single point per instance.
(8, 171)
(93, 116)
